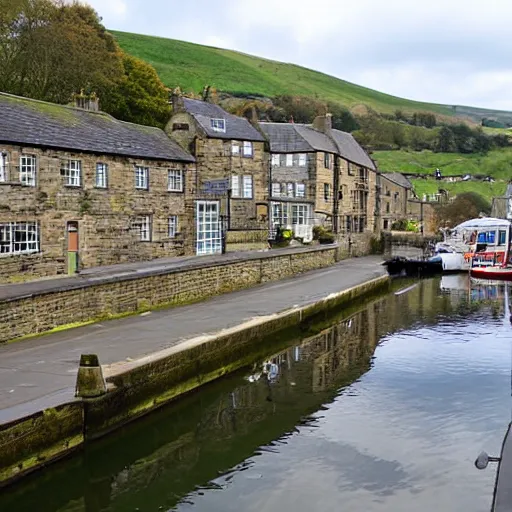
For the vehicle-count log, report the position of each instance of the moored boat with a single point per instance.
(485, 235)
(492, 273)
(400, 266)
(494, 266)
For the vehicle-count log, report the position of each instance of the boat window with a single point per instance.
(486, 237)
(502, 238)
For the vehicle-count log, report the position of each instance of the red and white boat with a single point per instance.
(489, 265)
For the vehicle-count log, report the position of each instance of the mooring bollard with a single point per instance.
(90, 382)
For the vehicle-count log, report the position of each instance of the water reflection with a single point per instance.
(310, 428)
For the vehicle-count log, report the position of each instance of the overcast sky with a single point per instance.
(443, 51)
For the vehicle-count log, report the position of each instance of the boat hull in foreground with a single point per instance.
(492, 273)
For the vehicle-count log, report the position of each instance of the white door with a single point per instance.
(209, 231)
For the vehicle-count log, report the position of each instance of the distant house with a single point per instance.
(232, 175)
(79, 189)
(395, 192)
(320, 176)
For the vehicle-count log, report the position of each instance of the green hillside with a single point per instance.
(192, 66)
(497, 163)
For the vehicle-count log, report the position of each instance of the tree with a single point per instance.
(52, 50)
(468, 205)
(342, 118)
(446, 141)
(140, 96)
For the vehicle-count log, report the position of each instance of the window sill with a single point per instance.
(96, 187)
(176, 191)
(72, 186)
(142, 189)
(24, 253)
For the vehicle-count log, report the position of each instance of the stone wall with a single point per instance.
(139, 387)
(112, 297)
(237, 241)
(423, 212)
(324, 176)
(357, 187)
(105, 216)
(393, 202)
(39, 439)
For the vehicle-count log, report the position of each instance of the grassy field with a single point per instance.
(192, 66)
(497, 163)
(487, 190)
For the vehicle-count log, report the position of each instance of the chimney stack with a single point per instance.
(323, 124)
(87, 101)
(176, 100)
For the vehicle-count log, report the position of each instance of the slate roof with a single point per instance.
(296, 138)
(37, 123)
(237, 128)
(350, 149)
(398, 179)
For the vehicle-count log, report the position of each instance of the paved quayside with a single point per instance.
(40, 372)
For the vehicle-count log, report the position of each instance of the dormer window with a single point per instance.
(218, 125)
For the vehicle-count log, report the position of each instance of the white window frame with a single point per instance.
(143, 224)
(208, 228)
(327, 192)
(300, 214)
(10, 234)
(300, 190)
(235, 185)
(276, 160)
(247, 187)
(3, 166)
(276, 189)
(101, 178)
(72, 171)
(235, 148)
(141, 177)
(218, 125)
(303, 159)
(290, 190)
(289, 160)
(172, 226)
(175, 180)
(327, 160)
(247, 149)
(28, 171)
(279, 213)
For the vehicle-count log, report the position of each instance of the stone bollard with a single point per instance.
(90, 382)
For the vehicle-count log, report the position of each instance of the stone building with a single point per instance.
(80, 189)
(301, 177)
(395, 190)
(232, 175)
(320, 176)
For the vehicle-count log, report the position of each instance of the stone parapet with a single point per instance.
(27, 310)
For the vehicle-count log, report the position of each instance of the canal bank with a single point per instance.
(43, 423)
(384, 408)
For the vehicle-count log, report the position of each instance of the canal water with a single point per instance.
(382, 410)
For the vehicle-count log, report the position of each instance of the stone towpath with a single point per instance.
(40, 372)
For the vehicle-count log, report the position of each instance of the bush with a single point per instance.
(405, 225)
(323, 235)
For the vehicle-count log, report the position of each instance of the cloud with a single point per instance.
(448, 51)
(110, 10)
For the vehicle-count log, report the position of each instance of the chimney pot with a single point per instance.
(323, 123)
